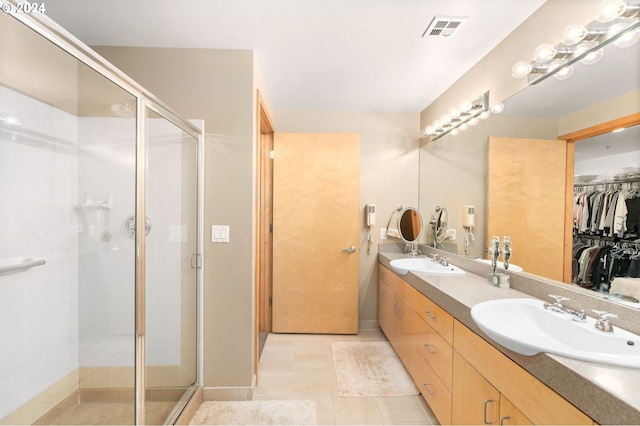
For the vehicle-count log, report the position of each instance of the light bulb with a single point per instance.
(521, 69)
(429, 130)
(609, 10)
(544, 52)
(455, 132)
(592, 57)
(454, 112)
(484, 115)
(628, 39)
(563, 73)
(497, 108)
(466, 106)
(437, 124)
(446, 119)
(474, 121)
(463, 127)
(573, 34)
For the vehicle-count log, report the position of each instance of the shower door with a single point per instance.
(73, 154)
(171, 210)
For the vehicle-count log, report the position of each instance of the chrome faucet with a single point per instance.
(603, 323)
(494, 252)
(506, 251)
(557, 306)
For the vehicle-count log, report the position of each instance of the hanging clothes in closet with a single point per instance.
(609, 210)
(606, 225)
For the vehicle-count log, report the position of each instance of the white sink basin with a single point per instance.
(525, 327)
(512, 267)
(423, 265)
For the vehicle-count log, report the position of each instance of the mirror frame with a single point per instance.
(572, 138)
(420, 231)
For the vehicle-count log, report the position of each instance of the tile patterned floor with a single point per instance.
(301, 367)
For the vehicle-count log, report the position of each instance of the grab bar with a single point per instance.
(25, 264)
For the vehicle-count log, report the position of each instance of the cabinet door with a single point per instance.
(475, 401)
(510, 415)
(385, 296)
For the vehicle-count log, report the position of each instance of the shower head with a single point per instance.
(124, 110)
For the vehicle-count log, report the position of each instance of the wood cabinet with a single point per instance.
(463, 378)
(476, 401)
(408, 319)
(531, 398)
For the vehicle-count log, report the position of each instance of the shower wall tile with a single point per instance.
(38, 219)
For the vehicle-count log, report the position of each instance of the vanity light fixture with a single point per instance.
(616, 22)
(459, 118)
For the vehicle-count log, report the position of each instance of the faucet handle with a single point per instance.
(604, 315)
(559, 299)
(603, 323)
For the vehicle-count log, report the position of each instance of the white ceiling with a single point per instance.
(358, 55)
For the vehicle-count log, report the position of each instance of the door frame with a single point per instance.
(264, 237)
(572, 138)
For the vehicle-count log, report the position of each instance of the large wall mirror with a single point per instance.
(456, 170)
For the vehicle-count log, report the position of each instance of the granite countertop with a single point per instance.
(608, 394)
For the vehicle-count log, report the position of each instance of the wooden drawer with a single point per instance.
(439, 319)
(532, 397)
(437, 352)
(391, 279)
(433, 390)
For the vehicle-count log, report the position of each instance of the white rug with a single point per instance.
(296, 412)
(370, 369)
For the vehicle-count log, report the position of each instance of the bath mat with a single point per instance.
(370, 369)
(296, 412)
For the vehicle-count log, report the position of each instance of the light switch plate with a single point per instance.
(219, 233)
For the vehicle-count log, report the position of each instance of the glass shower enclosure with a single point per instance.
(99, 241)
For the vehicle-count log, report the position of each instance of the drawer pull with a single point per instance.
(395, 308)
(486, 401)
(399, 316)
(429, 391)
(428, 313)
(384, 296)
(429, 348)
(503, 418)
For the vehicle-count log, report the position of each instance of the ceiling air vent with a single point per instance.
(444, 26)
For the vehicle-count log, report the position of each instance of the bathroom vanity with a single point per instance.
(467, 378)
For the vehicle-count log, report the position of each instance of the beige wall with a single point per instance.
(388, 175)
(217, 86)
(620, 106)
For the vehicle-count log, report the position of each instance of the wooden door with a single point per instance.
(526, 201)
(475, 401)
(316, 199)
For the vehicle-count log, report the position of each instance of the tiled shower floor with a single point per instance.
(110, 407)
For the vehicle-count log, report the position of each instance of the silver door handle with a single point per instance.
(351, 249)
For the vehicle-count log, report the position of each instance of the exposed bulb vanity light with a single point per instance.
(497, 108)
(629, 38)
(564, 72)
(610, 10)
(484, 115)
(583, 42)
(458, 118)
